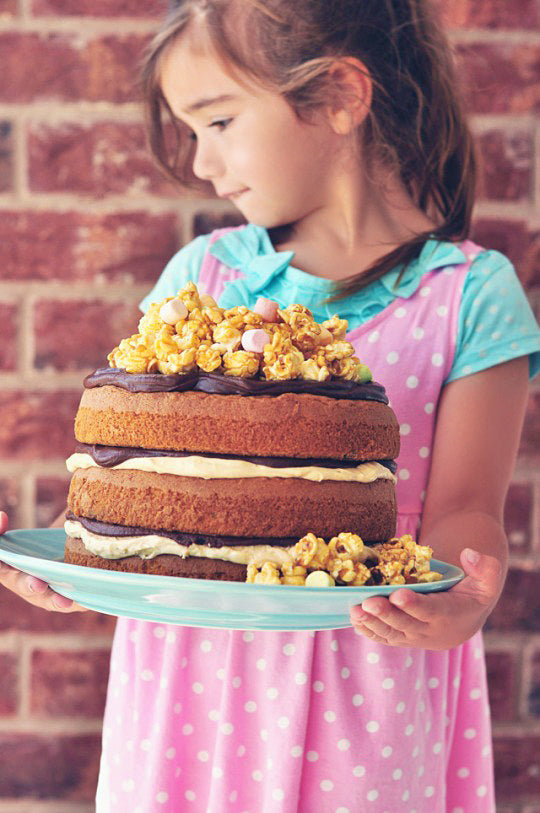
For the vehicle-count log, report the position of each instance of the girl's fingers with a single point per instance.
(483, 575)
(36, 591)
(415, 605)
(3, 522)
(398, 617)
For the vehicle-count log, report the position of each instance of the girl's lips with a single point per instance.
(233, 194)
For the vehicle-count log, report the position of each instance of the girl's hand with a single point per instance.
(31, 589)
(434, 620)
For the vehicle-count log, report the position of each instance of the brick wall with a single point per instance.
(86, 225)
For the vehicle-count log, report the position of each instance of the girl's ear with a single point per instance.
(354, 92)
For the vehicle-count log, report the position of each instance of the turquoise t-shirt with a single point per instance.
(496, 323)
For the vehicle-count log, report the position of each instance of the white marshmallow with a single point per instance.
(319, 578)
(254, 340)
(266, 308)
(173, 311)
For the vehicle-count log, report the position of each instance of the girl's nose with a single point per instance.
(207, 164)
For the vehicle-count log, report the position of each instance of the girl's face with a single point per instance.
(251, 145)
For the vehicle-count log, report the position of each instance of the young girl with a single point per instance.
(334, 127)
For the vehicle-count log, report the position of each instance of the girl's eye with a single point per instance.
(221, 124)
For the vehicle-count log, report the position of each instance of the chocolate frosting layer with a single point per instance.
(108, 456)
(109, 529)
(219, 384)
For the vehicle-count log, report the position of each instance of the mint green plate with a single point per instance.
(194, 602)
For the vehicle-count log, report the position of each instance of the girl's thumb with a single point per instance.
(483, 571)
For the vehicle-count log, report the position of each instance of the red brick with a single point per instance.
(491, 14)
(530, 438)
(516, 766)
(105, 158)
(20, 616)
(8, 337)
(100, 8)
(518, 516)
(8, 8)
(125, 247)
(9, 687)
(37, 425)
(519, 605)
(502, 683)
(507, 164)
(534, 688)
(6, 155)
(77, 335)
(61, 66)
(51, 499)
(49, 767)
(69, 684)
(502, 77)
(205, 222)
(511, 237)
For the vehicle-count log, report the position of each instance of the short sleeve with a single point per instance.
(182, 268)
(496, 322)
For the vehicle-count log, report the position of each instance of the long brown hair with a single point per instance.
(416, 123)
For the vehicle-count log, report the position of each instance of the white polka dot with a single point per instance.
(334, 646)
(128, 785)
(250, 706)
(470, 734)
(373, 657)
(159, 632)
(289, 649)
(272, 693)
(463, 773)
(457, 810)
(163, 682)
(312, 756)
(400, 313)
(475, 694)
(481, 791)
(358, 699)
(187, 729)
(486, 751)
(206, 646)
(233, 796)
(257, 776)
(387, 751)
(217, 772)
(198, 688)
(330, 716)
(264, 735)
(400, 708)
(372, 795)
(343, 810)
(423, 452)
(412, 382)
(404, 429)
(404, 474)
(283, 722)
(300, 678)
(359, 770)
(406, 795)
(428, 409)
(170, 753)
(220, 674)
(248, 637)
(183, 662)
(372, 726)
(147, 674)
(433, 682)
(318, 686)
(177, 708)
(226, 728)
(296, 751)
(425, 290)
(236, 682)
(374, 337)
(214, 715)
(278, 794)
(162, 797)
(327, 785)
(442, 310)
(203, 756)
(456, 681)
(409, 730)
(124, 678)
(418, 333)
(344, 745)
(388, 683)
(145, 745)
(392, 357)
(241, 750)
(437, 360)
(437, 748)
(397, 774)
(345, 673)
(261, 664)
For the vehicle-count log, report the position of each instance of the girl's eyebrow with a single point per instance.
(198, 105)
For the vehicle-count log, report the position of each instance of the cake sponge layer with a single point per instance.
(287, 425)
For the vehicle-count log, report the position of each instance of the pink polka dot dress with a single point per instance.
(212, 720)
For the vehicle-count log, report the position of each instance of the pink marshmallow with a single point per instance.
(266, 308)
(254, 340)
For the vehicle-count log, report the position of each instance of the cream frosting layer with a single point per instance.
(147, 547)
(215, 468)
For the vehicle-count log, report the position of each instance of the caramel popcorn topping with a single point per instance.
(347, 562)
(211, 338)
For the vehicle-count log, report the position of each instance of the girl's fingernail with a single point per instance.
(35, 585)
(472, 556)
(61, 602)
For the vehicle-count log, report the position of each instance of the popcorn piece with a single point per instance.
(293, 575)
(310, 371)
(241, 363)
(336, 326)
(254, 341)
(228, 337)
(346, 546)
(282, 360)
(240, 317)
(268, 574)
(266, 308)
(311, 551)
(319, 578)
(190, 296)
(208, 357)
(173, 311)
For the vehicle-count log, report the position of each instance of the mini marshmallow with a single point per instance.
(173, 311)
(266, 308)
(254, 340)
(319, 578)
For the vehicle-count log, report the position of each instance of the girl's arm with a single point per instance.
(476, 440)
